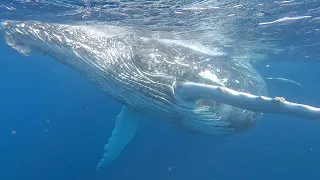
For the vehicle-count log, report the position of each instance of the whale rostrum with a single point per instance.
(170, 82)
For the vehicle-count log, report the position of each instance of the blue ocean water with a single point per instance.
(54, 124)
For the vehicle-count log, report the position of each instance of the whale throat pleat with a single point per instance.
(126, 126)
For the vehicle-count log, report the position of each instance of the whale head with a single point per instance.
(144, 73)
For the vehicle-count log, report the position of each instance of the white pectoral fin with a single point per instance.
(278, 105)
(126, 126)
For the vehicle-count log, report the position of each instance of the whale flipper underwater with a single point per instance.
(173, 83)
(125, 128)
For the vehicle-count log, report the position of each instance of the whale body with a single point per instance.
(162, 79)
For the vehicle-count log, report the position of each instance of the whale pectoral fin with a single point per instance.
(277, 105)
(126, 126)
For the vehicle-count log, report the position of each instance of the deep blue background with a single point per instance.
(62, 123)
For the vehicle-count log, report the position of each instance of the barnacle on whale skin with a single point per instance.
(280, 99)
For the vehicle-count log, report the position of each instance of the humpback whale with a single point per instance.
(167, 81)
